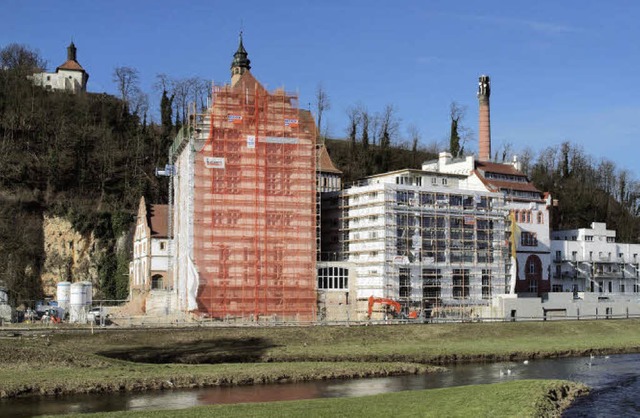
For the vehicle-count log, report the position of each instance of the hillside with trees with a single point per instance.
(88, 158)
(586, 189)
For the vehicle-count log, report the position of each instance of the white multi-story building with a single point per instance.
(70, 76)
(418, 238)
(529, 209)
(590, 260)
(593, 276)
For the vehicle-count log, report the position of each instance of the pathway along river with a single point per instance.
(615, 381)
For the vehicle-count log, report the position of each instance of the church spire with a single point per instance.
(240, 63)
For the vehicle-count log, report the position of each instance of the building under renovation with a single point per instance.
(244, 204)
(445, 240)
(530, 260)
(418, 239)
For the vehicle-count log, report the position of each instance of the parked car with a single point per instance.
(99, 315)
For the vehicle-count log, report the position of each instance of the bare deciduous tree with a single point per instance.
(127, 82)
(20, 57)
(322, 105)
(414, 138)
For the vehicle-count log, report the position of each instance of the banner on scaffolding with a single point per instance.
(400, 259)
(251, 141)
(214, 162)
(280, 140)
(292, 123)
(235, 119)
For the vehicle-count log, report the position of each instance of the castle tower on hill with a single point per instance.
(70, 76)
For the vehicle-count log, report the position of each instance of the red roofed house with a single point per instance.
(149, 268)
(70, 76)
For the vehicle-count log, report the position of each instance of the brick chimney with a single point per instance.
(484, 131)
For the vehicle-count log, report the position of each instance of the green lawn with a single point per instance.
(525, 398)
(120, 360)
(414, 343)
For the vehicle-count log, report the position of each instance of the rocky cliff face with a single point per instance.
(69, 256)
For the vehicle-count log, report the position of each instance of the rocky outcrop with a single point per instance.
(69, 255)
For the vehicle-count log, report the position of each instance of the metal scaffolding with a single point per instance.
(436, 250)
(253, 211)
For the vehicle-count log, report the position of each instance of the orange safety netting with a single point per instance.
(254, 206)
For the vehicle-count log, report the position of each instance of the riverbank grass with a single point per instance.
(524, 398)
(422, 343)
(119, 376)
(136, 360)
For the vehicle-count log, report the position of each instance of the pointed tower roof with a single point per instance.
(71, 63)
(240, 58)
(325, 164)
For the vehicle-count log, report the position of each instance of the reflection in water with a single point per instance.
(168, 400)
(259, 393)
(615, 381)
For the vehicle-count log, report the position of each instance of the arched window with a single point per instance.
(156, 282)
(533, 267)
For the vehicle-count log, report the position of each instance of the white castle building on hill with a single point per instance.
(70, 76)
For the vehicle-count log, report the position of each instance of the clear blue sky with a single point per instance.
(560, 70)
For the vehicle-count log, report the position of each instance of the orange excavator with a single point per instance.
(373, 300)
(395, 305)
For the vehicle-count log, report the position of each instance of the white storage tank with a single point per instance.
(63, 294)
(77, 294)
(88, 293)
(78, 303)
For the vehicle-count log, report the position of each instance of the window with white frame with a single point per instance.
(333, 278)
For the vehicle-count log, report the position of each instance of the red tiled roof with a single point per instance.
(158, 218)
(498, 168)
(325, 164)
(71, 65)
(511, 185)
(483, 167)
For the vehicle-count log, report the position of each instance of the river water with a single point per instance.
(615, 383)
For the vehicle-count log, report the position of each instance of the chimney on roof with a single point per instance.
(444, 158)
(516, 163)
(484, 131)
